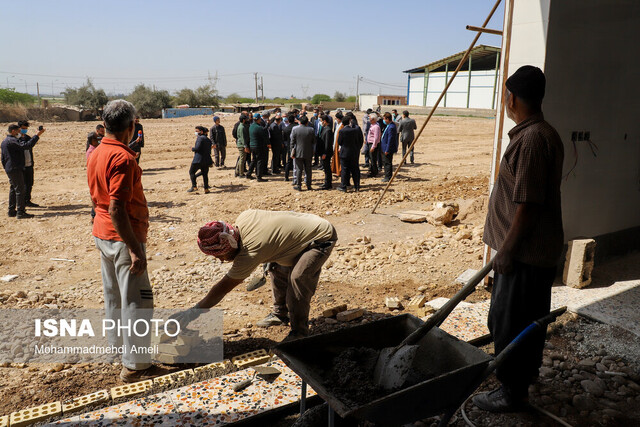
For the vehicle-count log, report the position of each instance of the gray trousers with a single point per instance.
(127, 297)
(294, 286)
(302, 165)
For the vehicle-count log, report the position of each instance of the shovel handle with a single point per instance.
(439, 316)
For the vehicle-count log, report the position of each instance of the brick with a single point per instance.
(331, 312)
(579, 263)
(393, 303)
(417, 301)
(33, 415)
(174, 349)
(251, 359)
(4, 421)
(173, 377)
(130, 389)
(168, 359)
(213, 366)
(349, 315)
(77, 403)
(187, 337)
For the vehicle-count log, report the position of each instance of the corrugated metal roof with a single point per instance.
(483, 57)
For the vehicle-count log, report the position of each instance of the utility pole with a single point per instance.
(255, 77)
(357, 106)
(38, 89)
(262, 88)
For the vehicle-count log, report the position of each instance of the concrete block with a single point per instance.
(174, 348)
(173, 377)
(186, 337)
(331, 312)
(168, 359)
(417, 301)
(393, 303)
(347, 316)
(579, 263)
(36, 414)
(212, 366)
(77, 403)
(251, 359)
(130, 389)
(4, 421)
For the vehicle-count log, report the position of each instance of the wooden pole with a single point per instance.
(433, 110)
(500, 117)
(484, 30)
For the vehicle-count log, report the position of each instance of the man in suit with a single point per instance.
(388, 146)
(405, 129)
(350, 141)
(302, 150)
(277, 143)
(28, 165)
(258, 143)
(201, 159)
(325, 142)
(219, 141)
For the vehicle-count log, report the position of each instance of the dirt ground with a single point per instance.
(377, 255)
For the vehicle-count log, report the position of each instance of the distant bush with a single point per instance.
(149, 102)
(319, 98)
(204, 96)
(10, 96)
(339, 97)
(86, 96)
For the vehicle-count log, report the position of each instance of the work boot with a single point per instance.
(273, 320)
(23, 215)
(499, 400)
(192, 189)
(132, 376)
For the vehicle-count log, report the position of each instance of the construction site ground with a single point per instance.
(377, 255)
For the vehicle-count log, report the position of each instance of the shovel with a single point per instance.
(394, 363)
(267, 373)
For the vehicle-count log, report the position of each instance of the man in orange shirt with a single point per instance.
(120, 232)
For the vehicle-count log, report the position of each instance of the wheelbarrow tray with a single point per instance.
(447, 364)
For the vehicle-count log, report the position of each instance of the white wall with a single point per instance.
(480, 95)
(593, 84)
(367, 101)
(587, 51)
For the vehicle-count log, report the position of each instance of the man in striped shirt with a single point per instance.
(524, 224)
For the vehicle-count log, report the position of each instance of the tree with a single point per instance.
(319, 98)
(207, 95)
(149, 102)
(86, 96)
(339, 97)
(186, 96)
(10, 96)
(351, 98)
(233, 98)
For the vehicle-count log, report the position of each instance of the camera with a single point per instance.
(40, 127)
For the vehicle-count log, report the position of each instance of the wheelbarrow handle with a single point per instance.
(439, 316)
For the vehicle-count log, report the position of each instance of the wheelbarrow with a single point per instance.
(451, 369)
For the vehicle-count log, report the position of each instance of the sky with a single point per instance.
(298, 48)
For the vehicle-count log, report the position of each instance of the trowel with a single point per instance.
(267, 373)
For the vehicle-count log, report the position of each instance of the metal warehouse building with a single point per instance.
(474, 87)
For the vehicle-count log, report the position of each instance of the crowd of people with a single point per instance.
(296, 144)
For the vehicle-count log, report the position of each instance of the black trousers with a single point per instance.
(28, 183)
(405, 146)
(374, 164)
(328, 175)
(517, 300)
(264, 154)
(195, 167)
(367, 154)
(349, 168)
(387, 160)
(276, 157)
(303, 165)
(257, 163)
(17, 190)
(288, 162)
